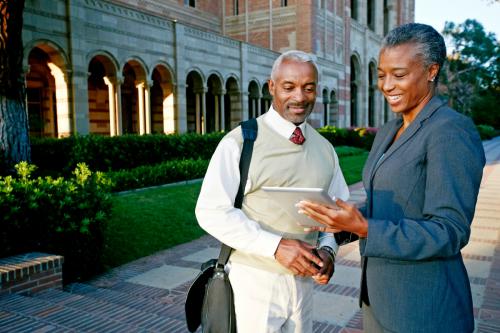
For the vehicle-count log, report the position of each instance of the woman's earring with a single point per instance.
(431, 80)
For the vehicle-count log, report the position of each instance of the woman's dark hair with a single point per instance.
(430, 43)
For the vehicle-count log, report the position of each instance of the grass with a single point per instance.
(144, 222)
(352, 167)
(148, 221)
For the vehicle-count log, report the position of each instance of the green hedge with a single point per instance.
(163, 173)
(60, 216)
(59, 156)
(355, 137)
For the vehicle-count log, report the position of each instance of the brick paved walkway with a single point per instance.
(148, 295)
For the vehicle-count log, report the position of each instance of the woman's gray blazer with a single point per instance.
(422, 191)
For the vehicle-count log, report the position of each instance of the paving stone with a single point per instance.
(166, 277)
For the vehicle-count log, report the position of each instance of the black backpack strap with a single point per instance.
(249, 130)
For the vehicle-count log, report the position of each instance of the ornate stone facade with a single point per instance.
(112, 67)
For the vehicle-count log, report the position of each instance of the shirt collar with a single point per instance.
(280, 125)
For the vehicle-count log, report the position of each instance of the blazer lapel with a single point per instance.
(434, 104)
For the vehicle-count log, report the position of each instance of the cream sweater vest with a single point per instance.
(276, 161)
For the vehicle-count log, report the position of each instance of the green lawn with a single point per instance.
(352, 167)
(144, 222)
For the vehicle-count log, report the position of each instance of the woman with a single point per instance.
(422, 178)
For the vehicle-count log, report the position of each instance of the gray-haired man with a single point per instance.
(273, 266)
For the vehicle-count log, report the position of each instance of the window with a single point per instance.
(190, 3)
(284, 3)
(236, 8)
(354, 9)
(370, 15)
(386, 18)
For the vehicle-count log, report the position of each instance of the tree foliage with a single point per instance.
(472, 73)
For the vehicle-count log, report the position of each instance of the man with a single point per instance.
(273, 265)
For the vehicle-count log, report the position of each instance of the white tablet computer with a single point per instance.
(287, 197)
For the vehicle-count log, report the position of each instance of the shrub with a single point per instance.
(60, 216)
(163, 173)
(59, 156)
(56, 157)
(486, 132)
(356, 137)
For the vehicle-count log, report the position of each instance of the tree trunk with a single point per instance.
(14, 134)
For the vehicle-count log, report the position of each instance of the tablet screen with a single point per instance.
(287, 197)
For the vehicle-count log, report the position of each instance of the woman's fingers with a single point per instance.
(319, 213)
(321, 229)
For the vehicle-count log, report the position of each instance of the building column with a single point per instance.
(217, 112)
(118, 96)
(112, 105)
(258, 108)
(201, 121)
(140, 104)
(64, 118)
(168, 108)
(203, 110)
(147, 106)
(222, 110)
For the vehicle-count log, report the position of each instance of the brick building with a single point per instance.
(112, 67)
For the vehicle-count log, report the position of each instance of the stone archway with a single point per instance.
(334, 109)
(103, 92)
(233, 110)
(266, 100)
(135, 112)
(47, 93)
(162, 101)
(253, 100)
(214, 106)
(195, 102)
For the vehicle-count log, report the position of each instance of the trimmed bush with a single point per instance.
(356, 137)
(60, 216)
(59, 156)
(163, 173)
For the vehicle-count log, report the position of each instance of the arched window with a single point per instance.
(372, 86)
(354, 91)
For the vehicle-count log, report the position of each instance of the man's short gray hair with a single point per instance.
(295, 55)
(430, 43)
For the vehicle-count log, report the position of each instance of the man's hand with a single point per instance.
(326, 272)
(297, 256)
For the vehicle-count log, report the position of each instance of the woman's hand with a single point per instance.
(345, 217)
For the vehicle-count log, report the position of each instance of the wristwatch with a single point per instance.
(330, 252)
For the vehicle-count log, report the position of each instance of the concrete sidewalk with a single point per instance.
(336, 305)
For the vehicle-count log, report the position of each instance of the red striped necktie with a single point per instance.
(297, 136)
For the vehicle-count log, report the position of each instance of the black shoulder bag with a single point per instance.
(209, 300)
